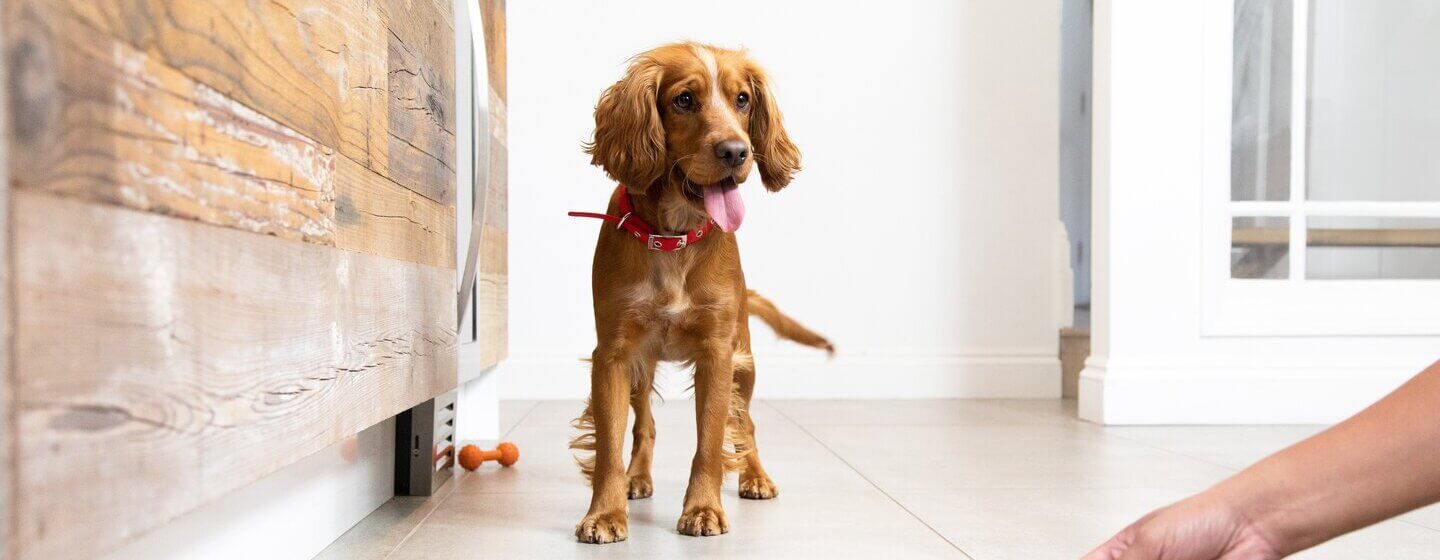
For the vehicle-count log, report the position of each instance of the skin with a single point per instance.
(1378, 464)
(656, 132)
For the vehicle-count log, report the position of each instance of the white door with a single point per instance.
(1322, 167)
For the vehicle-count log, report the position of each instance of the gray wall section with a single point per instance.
(1075, 101)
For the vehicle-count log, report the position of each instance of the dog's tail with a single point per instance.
(783, 325)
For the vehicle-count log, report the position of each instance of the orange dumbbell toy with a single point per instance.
(471, 457)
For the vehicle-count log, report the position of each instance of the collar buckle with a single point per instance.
(656, 242)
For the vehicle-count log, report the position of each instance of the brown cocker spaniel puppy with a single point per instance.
(680, 132)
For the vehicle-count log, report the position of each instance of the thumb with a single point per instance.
(1142, 548)
(1113, 548)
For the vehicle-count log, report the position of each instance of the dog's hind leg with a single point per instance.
(643, 450)
(755, 484)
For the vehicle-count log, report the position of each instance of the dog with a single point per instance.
(680, 132)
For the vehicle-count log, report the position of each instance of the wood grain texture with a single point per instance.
(158, 361)
(1074, 350)
(7, 431)
(493, 276)
(161, 363)
(131, 132)
(379, 217)
(421, 74)
(112, 124)
(492, 16)
(319, 67)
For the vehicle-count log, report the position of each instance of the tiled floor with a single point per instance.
(987, 480)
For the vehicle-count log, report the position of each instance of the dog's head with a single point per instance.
(694, 119)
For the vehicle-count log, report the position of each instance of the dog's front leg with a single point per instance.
(643, 444)
(703, 514)
(609, 403)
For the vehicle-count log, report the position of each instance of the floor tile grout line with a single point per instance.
(522, 420)
(1232, 469)
(1037, 418)
(454, 484)
(1032, 418)
(932, 425)
(1412, 523)
(1003, 403)
(870, 482)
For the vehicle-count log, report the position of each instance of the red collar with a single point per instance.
(643, 231)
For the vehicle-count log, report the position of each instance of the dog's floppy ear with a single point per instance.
(629, 139)
(776, 155)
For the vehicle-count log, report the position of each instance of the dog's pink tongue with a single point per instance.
(722, 201)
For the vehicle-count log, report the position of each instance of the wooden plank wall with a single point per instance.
(7, 441)
(493, 277)
(231, 244)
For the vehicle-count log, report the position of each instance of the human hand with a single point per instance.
(1203, 527)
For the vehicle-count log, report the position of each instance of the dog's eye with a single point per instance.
(685, 101)
(743, 100)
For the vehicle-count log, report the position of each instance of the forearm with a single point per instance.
(1376, 465)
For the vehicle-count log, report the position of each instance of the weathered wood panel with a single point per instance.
(316, 65)
(379, 217)
(160, 363)
(494, 273)
(7, 429)
(320, 67)
(132, 132)
(492, 15)
(421, 72)
(108, 123)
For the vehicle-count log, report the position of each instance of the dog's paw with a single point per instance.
(758, 488)
(704, 521)
(601, 528)
(641, 487)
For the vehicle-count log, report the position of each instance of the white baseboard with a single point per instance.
(1153, 394)
(292, 514)
(1023, 376)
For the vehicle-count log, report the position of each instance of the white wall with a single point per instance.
(922, 236)
(1150, 363)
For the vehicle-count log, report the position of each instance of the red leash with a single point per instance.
(643, 231)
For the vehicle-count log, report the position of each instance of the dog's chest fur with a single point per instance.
(674, 317)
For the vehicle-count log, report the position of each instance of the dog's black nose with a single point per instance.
(732, 152)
